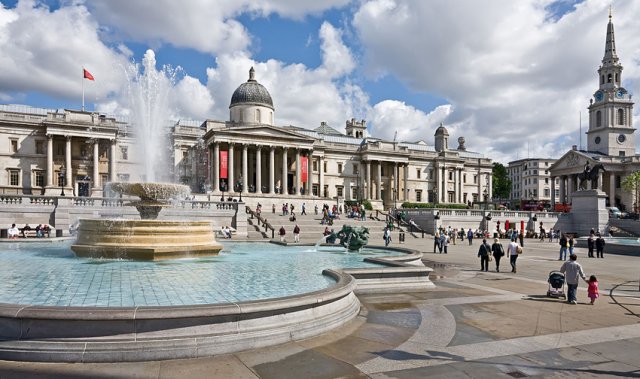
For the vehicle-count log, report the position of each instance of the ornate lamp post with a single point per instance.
(62, 174)
(239, 187)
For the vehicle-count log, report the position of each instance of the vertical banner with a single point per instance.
(224, 164)
(304, 165)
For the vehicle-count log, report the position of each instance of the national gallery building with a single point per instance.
(47, 151)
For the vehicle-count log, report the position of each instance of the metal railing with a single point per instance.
(265, 223)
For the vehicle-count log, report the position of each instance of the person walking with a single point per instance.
(296, 233)
(563, 247)
(512, 251)
(521, 238)
(387, 236)
(304, 209)
(593, 291)
(570, 244)
(436, 242)
(572, 271)
(498, 252)
(470, 236)
(484, 252)
(282, 232)
(600, 246)
(444, 242)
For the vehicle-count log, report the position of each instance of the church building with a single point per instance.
(611, 146)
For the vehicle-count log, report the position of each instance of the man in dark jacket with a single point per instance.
(563, 247)
(483, 253)
(599, 246)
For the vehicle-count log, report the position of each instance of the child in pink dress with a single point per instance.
(592, 291)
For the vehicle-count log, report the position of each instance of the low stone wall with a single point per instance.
(62, 212)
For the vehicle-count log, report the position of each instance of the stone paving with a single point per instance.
(472, 325)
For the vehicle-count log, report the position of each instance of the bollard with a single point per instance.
(401, 237)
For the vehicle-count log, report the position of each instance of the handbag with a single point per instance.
(519, 249)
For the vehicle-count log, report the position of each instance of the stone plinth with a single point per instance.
(588, 211)
(145, 239)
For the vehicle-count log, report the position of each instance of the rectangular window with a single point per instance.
(14, 145)
(418, 173)
(14, 177)
(354, 193)
(475, 197)
(450, 175)
(546, 192)
(314, 166)
(355, 168)
(124, 150)
(475, 180)
(418, 196)
(39, 178)
(339, 168)
(621, 153)
(39, 147)
(314, 190)
(339, 191)
(546, 180)
(464, 178)
(324, 168)
(326, 190)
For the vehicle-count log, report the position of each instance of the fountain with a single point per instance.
(148, 238)
(352, 238)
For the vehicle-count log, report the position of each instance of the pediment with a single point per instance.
(262, 132)
(572, 160)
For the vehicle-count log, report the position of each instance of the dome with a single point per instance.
(442, 131)
(251, 92)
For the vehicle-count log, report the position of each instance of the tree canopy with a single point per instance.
(631, 183)
(501, 182)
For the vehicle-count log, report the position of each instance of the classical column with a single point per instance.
(298, 172)
(215, 161)
(436, 183)
(570, 180)
(490, 189)
(230, 179)
(396, 182)
(321, 176)
(285, 185)
(272, 170)
(445, 182)
(309, 190)
(459, 199)
(600, 180)
(406, 182)
(379, 182)
(563, 189)
(368, 186)
(245, 173)
(259, 169)
(553, 193)
(69, 178)
(612, 190)
(96, 162)
(50, 160)
(112, 160)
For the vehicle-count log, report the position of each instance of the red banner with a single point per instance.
(305, 169)
(224, 164)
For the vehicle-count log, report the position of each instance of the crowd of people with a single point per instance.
(41, 231)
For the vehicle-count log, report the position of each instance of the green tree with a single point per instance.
(501, 182)
(631, 183)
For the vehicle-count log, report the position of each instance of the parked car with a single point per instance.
(614, 212)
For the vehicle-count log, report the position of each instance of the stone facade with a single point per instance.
(531, 181)
(46, 150)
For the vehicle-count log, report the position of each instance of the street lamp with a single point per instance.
(63, 172)
(239, 187)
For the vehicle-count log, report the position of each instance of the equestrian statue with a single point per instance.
(589, 174)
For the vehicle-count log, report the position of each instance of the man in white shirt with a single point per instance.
(572, 271)
(13, 232)
(512, 252)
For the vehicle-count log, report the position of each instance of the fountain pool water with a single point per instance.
(51, 275)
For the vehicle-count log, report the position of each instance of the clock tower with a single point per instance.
(611, 129)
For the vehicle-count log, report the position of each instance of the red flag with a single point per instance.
(224, 161)
(304, 166)
(87, 74)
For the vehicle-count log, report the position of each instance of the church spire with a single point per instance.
(610, 56)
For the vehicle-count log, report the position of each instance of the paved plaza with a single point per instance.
(472, 325)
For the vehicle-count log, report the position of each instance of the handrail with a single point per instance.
(265, 222)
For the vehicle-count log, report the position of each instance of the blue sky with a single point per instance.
(480, 68)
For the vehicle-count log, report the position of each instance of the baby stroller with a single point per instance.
(556, 285)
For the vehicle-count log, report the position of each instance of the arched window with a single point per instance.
(620, 116)
(598, 118)
(257, 115)
(617, 79)
(609, 78)
(602, 79)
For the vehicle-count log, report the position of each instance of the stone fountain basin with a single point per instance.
(144, 239)
(151, 191)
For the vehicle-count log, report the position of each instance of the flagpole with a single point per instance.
(83, 89)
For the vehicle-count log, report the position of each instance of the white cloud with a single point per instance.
(512, 74)
(45, 51)
(193, 98)
(390, 116)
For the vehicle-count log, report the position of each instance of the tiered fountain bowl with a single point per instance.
(147, 238)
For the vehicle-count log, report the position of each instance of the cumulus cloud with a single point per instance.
(513, 75)
(44, 51)
(389, 117)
